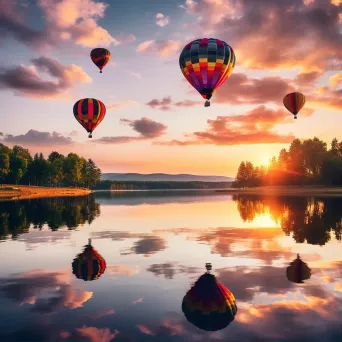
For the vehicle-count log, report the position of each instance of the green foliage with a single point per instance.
(18, 167)
(305, 163)
(18, 217)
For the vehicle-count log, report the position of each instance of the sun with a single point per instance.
(265, 161)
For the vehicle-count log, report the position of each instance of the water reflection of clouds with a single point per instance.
(139, 299)
(44, 291)
(146, 245)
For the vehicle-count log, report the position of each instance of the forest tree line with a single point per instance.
(17, 166)
(161, 185)
(309, 162)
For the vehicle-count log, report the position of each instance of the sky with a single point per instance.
(155, 120)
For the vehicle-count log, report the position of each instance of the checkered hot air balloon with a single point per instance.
(298, 271)
(209, 305)
(207, 64)
(89, 113)
(88, 265)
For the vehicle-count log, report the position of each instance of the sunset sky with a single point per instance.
(155, 120)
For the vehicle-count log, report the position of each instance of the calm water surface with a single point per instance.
(155, 246)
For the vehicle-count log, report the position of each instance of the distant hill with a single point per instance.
(163, 177)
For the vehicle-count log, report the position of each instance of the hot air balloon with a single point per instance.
(89, 113)
(209, 305)
(207, 64)
(298, 271)
(100, 57)
(88, 265)
(294, 102)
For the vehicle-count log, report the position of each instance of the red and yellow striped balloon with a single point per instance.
(89, 113)
(88, 265)
(294, 102)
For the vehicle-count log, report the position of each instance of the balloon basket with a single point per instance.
(206, 104)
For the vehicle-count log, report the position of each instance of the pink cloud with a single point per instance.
(162, 20)
(163, 48)
(135, 74)
(27, 81)
(121, 105)
(145, 330)
(273, 34)
(147, 129)
(139, 300)
(64, 20)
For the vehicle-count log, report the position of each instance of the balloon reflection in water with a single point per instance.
(298, 271)
(88, 265)
(209, 305)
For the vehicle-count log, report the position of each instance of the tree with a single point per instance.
(313, 152)
(18, 167)
(92, 173)
(72, 167)
(4, 166)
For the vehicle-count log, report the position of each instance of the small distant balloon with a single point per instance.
(207, 64)
(89, 113)
(298, 271)
(100, 57)
(294, 102)
(88, 265)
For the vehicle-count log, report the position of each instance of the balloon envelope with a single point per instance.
(298, 271)
(209, 305)
(100, 57)
(88, 265)
(294, 102)
(207, 64)
(89, 113)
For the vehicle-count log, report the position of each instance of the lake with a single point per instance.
(149, 249)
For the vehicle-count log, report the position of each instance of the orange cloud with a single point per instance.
(77, 20)
(96, 334)
(336, 79)
(254, 127)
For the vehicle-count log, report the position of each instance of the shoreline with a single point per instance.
(17, 192)
(285, 191)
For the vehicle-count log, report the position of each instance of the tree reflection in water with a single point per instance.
(18, 217)
(307, 219)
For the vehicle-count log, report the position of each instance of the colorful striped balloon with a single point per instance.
(88, 265)
(89, 113)
(298, 271)
(207, 64)
(100, 57)
(209, 305)
(294, 102)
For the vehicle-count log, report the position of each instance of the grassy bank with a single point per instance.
(28, 192)
(286, 191)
